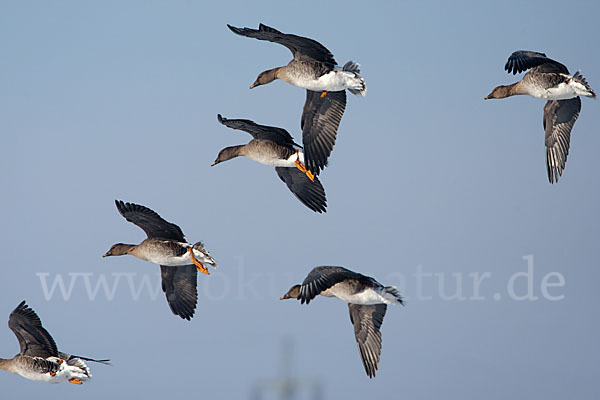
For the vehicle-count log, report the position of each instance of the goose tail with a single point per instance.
(582, 86)
(392, 294)
(359, 84)
(206, 257)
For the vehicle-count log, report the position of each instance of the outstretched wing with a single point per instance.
(34, 339)
(522, 60)
(322, 278)
(321, 117)
(274, 134)
(302, 48)
(180, 287)
(149, 221)
(559, 118)
(367, 321)
(310, 193)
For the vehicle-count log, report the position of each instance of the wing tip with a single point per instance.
(21, 308)
(181, 312)
(24, 310)
(233, 29)
(122, 206)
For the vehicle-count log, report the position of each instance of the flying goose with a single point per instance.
(548, 79)
(313, 66)
(276, 147)
(367, 302)
(39, 358)
(167, 247)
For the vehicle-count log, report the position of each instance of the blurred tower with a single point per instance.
(288, 386)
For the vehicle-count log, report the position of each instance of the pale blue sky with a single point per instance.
(118, 100)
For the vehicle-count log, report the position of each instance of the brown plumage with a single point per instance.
(275, 147)
(551, 80)
(367, 303)
(167, 247)
(39, 358)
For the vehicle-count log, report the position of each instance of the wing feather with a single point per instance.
(274, 134)
(34, 339)
(149, 221)
(321, 117)
(367, 320)
(523, 60)
(302, 48)
(180, 287)
(322, 278)
(310, 193)
(559, 118)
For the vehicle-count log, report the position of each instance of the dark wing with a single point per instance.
(302, 48)
(322, 278)
(321, 118)
(35, 341)
(522, 60)
(149, 221)
(310, 193)
(367, 321)
(274, 134)
(180, 287)
(559, 118)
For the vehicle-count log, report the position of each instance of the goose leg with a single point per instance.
(302, 168)
(324, 93)
(197, 263)
(75, 381)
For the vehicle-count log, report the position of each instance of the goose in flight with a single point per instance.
(551, 80)
(313, 66)
(275, 147)
(367, 302)
(39, 358)
(167, 247)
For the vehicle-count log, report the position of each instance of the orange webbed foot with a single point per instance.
(324, 93)
(310, 175)
(302, 168)
(52, 373)
(75, 381)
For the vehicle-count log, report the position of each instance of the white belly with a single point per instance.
(368, 296)
(561, 92)
(36, 376)
(174, 261)
(156, 255)
(64, 373)
(332, 81)
(277, 162)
